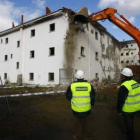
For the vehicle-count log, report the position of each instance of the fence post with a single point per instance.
(5, 96)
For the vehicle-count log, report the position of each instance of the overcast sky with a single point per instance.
(11, 11)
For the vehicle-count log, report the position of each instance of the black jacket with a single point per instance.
(92, 97)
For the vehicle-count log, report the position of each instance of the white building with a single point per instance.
(129, 53)
(50, 49)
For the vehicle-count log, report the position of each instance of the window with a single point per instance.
(52, 27)
(127, 53)
(6, 57)
(96, 75)
(17, 65)
(96, 55)
(121, 61)
(1, 41)
(132, 61)
(92, 31)
(109, 68)
(131, 52)
(51, 51)
(103, 35)
(82, 51)
(51, 76)
(131, 44)
(32, 32)
(127, 61)
(96, 35)
(5, 75)
(103, 47)
(32, 54)
(6, 40)
(11, 56)
(126, 46)
(121, 54)
(18, 43)
(31, 76)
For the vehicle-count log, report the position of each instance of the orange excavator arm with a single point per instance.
(125, 25)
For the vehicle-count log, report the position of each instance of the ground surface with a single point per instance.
(49, 117)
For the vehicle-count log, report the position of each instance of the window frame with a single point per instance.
(33, 33)
(52, 27)
(51, 76)
(31, 76)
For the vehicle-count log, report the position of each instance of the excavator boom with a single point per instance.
(109, 14)
(125, 25)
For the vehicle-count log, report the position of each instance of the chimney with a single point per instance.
(48, 11)
(13, 25)
(21, 19)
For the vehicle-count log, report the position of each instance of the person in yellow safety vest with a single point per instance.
(128, 103)
(82, 97)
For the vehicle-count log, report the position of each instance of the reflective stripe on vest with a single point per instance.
(132, 102)
(81, 101)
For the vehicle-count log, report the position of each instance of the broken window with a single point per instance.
(127, 53)
(32, 32)
(17, 65)
(18, 43)
(82, 51)
(32, 54)
(52, 27)
(6, 57)
(96, 56)
(51, 51)
(51, 76)
(96, 35)
(31, 76)
(121, 54)
(5, 75)
(6, 40)
(127, 61)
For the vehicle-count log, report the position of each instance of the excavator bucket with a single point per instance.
(81, 15)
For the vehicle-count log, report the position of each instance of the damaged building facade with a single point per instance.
(51, 48)
(129, 53)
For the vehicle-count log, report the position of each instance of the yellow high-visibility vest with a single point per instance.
(81, 101)
(132, 102)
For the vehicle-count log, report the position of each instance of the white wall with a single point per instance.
(42, 63)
